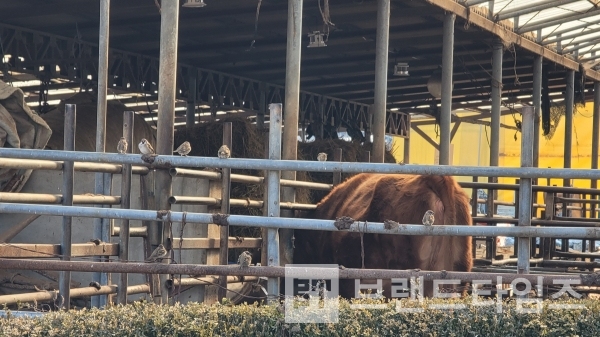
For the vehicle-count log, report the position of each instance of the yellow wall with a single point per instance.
(471, 148)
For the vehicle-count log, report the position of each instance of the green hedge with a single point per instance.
(144, 319)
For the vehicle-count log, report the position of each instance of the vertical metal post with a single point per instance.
(147, 203)
(382, 41)
(107, 224)
(517, 207)
(125, 204)
(528, 114)
(569, 100)
(67, 200)
(291, 116)
(167, 73)
(260, 117)
(474, 204)
(225, 202)
(491, 10)
(263, 231)
(496, 97)
(497, 54)
(549, 244)
(273, 179)
(595, 139)
(366, 157)
(447, 70)
(190, 114)
(101, 122)
(406, 159)
(337, 175)
(490, 250)
(537, 105)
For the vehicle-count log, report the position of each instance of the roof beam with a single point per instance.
(576, 46)
(474, 2)
(277, 74)
(509, 36)
(558, 20)
(571, 36)
(571, 29)
(503, 15)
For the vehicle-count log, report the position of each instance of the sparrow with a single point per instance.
(184, 149)
(245, 259)
(95, 285)
(122, 146)
(145, 147)
(322, 156)
(158, 254)
(428, 218)
(224, 152)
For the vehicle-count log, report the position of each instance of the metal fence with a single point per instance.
(129, 164)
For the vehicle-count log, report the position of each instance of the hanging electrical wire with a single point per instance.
(326, 16)
(255, 25)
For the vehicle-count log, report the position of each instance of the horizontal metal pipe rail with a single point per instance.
(52, 295)
(196, 281)
(309, 224)
(170, 161)
(34, 164)
(577, 254)
(214, 243)
(535, 188)
(497, 202)
(574, 200)
(275, 271)
(241, 178)
(544, 263)
(29, 250)
(134, 232)
(246, 203)
(185, 200)
(81, 199)
(180, 172)
(535, 221)
(578, 220)
(533, 271)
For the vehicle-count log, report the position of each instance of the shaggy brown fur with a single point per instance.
(401, 198)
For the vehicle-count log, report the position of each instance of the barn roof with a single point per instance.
(237, 49)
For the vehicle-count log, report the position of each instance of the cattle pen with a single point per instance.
(287, 110)
(524, 231)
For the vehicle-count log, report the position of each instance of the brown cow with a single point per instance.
(401, 198)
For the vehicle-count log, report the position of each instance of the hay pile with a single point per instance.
(248, 142)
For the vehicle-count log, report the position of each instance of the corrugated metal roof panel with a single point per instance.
(574, 29)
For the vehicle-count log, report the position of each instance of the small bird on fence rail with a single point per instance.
(122, 146)
(428, 218)
(224, 152)
(184, 149)
(245, 259)
(95, 285)
(158, 254)
(145, 147)
(322, 156)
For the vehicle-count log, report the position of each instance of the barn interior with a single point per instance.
(233, 59)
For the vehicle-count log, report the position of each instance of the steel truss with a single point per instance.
(49, 56)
